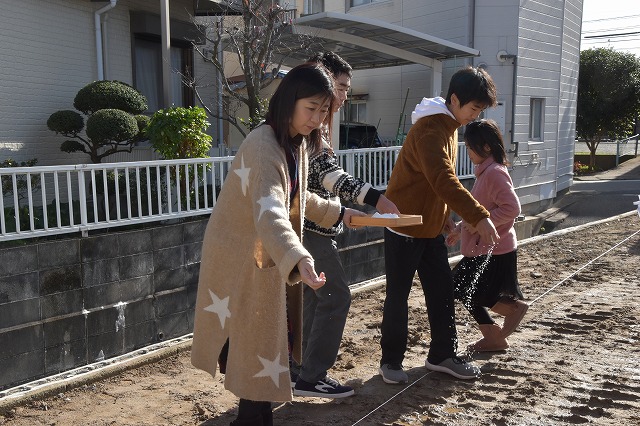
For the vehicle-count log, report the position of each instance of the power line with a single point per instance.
(610, 19)
(611, 41)
(613, 35)
(599, 30)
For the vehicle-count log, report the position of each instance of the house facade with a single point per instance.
(531, 48)
(52, 49)
(532, 51)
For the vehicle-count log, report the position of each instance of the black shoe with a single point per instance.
(254, 421)
(294, 378)
(325, 388)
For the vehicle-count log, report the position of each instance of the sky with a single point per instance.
(610, 17)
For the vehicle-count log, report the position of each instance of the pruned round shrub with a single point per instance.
(111, 125)
(71, 146)
(65, 122)
(109, 94)
(143, 122)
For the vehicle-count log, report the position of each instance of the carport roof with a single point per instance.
(370, 43)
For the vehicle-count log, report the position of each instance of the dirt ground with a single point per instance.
(575, 359)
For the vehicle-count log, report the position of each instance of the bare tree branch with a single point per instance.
(254, 39)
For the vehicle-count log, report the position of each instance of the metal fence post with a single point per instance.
(82, 199)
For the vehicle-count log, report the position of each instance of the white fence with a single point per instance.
(47, 200)
(628, 146)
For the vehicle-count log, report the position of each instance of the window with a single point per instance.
(147, 72)
(354, 112)
(361, 2)
(313, 6)
(536, 119)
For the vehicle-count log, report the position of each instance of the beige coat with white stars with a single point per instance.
(251, 247)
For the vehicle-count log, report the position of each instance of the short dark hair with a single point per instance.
(304, 81)
(333, 62)
(481, 133)
(472, 84)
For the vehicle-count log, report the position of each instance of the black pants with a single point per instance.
(429, 257)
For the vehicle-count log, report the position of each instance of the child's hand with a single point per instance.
(469, 228)
(453, 237)
(487, 232)
(449, 225)
(308, 274)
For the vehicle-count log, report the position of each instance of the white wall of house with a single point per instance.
(568, 89)
(544, 37)
(445, 19)
(48, 51)
(48, 48)
(548, 61)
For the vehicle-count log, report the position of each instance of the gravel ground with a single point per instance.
(575, 358)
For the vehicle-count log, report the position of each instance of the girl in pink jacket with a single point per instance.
(486, 277)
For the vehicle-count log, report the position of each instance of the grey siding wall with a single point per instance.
(47, 51)
(568, 93)
(548, 51)
(496, 30)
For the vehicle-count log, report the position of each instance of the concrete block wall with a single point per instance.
(74, 301)
(71, 302)
(362, 253)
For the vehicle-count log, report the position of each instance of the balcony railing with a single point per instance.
(48, 200)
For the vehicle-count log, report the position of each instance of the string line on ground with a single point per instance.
(531, 303)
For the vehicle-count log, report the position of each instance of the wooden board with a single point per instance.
(401, 220)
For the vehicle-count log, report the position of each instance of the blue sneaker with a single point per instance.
(325, 388)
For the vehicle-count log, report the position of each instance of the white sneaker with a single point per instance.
(393, 374)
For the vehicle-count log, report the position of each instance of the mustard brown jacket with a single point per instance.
(424, 180)
(250, 251)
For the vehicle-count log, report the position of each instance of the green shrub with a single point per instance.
(66, 122)
(179, 132)
(114, 121)
(111, 125)
(109, 94)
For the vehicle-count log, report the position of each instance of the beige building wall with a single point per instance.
(47, 50)
(48, 53)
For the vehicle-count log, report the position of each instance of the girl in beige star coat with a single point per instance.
(252, 253)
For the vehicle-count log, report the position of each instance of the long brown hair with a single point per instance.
(304, 81)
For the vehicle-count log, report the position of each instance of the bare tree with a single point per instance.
(253, 31)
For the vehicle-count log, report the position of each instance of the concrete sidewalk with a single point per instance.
(595, 197)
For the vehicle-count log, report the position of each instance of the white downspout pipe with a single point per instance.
(96, 18)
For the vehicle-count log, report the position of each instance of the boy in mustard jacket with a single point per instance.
(424, 182)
